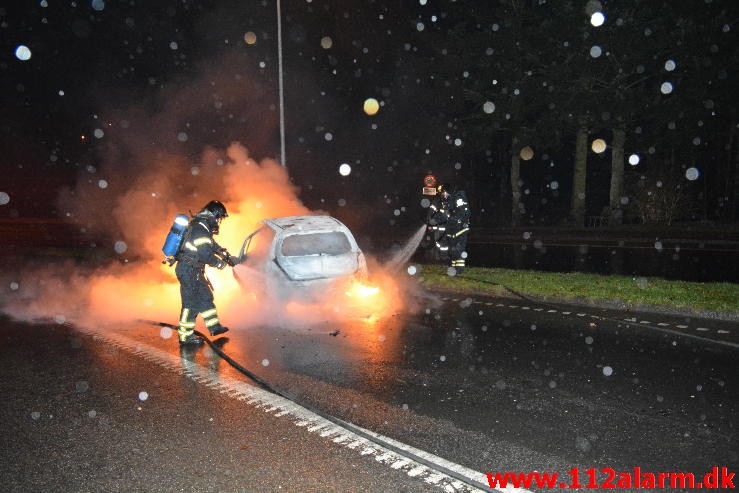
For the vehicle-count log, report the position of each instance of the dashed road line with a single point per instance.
(657, 326)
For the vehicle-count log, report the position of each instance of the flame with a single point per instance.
(147, 289)
(359, 290)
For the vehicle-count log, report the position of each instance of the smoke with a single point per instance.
(127, 197)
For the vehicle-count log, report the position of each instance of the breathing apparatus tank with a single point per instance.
(174, 238)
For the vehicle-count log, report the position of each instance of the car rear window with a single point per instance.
(333, 243)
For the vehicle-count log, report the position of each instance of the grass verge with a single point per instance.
(578, 286)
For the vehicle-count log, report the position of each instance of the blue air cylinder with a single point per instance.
(175, 236)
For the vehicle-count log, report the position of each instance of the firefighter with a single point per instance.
(449, 219)
(198, 250)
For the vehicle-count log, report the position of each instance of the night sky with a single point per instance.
(107, 80)
(109, 86)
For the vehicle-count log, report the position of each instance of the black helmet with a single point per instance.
(214, 208)
(212, 213)
(443, 188)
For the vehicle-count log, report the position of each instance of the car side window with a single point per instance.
(331, 243)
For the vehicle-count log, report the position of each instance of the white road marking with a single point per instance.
(308, 420)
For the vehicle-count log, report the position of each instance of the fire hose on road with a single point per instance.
(337, 421)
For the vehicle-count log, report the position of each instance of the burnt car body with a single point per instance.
(300, 257)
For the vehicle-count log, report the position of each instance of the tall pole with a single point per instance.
(282, 92)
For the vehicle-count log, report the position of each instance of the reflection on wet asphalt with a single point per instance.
(546, 387)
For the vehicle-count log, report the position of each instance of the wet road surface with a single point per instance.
(491, 384)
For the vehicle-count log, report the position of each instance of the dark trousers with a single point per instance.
(197, 299)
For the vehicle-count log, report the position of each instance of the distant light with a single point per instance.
(371, 106)
(250, 38)
(634, 159)
(666, 87)
(596, 51)
(692, 174)
(4, 198)
(345, 169)
(326, 42)
(670, 65)
(597, 19)
(598, 146)
(23, 53)
(527, 153)
(488, 107)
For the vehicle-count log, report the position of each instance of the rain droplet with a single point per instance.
(692, 174)
(23, 53)
(250, 38)
(265, 362)
(120, 246)
(143, 395)
(412, 270)
(4, 198)
(345, 169)
(607, 371)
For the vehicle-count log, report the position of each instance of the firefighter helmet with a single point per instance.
(212, 213)
(443, 188)
(214, 208)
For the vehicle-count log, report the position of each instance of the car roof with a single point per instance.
(304, 223)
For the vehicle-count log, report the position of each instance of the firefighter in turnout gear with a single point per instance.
(449, 220)
(198, 250)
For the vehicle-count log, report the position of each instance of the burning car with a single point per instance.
(302, 258)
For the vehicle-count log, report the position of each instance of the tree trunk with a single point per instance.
(732, 167)
(577, 207)
(515, 186)
(617, 176)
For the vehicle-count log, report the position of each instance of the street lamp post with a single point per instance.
(281, 89)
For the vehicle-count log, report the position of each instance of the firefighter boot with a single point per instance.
(188, 338)
(217, 329)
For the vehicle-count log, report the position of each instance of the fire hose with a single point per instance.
(337, 421)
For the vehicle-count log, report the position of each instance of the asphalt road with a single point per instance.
(488, 384)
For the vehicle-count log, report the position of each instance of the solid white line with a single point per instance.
(281, 407)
